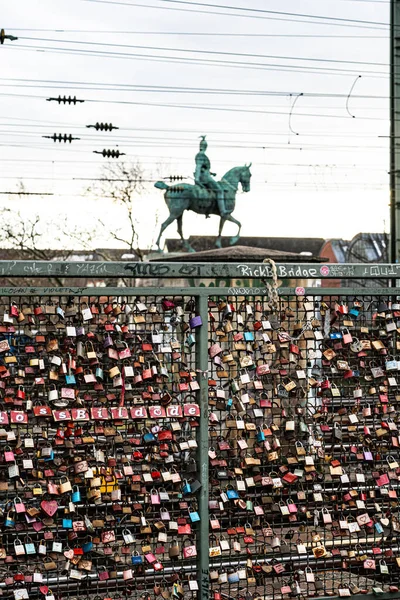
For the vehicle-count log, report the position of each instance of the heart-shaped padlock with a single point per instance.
(49, 507)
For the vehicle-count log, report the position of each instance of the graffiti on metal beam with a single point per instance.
(195, 270)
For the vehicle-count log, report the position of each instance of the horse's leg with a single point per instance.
(218, 243)
(236, 238)
(164, 226)
(185, 243)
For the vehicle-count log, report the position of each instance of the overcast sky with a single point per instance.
(320, 162)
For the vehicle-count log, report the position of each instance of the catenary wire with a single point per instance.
(209, 12)
(203, 61)
(196, 90)
(238, 105)
(338, 135)
(197, 51)
(172, 143)
(204, 33)
(50, 162)
(284, 15)
(200, 107)
(265, 11)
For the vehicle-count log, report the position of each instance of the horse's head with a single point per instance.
(245, 177)
(238, 175)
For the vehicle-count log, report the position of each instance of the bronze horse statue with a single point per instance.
(204, 202)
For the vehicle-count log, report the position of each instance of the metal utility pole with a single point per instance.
(394, 131)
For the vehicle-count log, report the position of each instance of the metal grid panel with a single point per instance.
(99, 419)
(332, 572)
(304, 446)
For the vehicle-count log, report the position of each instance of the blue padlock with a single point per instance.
(149, 438)
(190, 341)
(232, 494)
(378, 527)
(248, 336)
(99, 373)
(194, 516)
(70, 379)
(233, 577)
(67, 523)
(30, 547)
(87, 546)
(76, 495)
(229, 404)
(137, 559)
(260, 435)
(186, 489)
(8, 521)
(48, 458)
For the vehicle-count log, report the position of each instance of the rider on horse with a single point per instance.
(205, 178)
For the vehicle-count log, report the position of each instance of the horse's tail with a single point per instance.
(161, 185)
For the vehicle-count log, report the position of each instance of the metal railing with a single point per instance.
(207, 305)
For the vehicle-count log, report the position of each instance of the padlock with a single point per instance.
(195, 322)
(65, 485)
(30, 547)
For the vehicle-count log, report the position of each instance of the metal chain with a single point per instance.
(327, 323)
(273, 297)
(305, 327)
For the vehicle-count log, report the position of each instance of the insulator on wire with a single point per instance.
(61, 137)
(65, 100)
(109, 153)
(175, 177)
(103, 127)
(176, 190)
(4, 37)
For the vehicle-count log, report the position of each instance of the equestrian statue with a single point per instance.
(206, 197)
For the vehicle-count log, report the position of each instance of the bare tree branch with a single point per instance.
(123, 183)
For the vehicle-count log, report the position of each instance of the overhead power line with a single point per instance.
(213, 52)
(201, 107)
(208, 33)
(210, 62)
(270, 12)
(176, 141)
(270, 134)
(255, 14)
(189, 90)
(368, 1)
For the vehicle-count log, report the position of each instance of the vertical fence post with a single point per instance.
(202, 454)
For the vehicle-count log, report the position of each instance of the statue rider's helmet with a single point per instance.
(203, 143)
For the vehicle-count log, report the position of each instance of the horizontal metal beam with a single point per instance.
(212, 292)
(20, 268)
(101, 291)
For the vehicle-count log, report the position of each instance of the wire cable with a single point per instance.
(205, 33)
(271, 12)
(191, 90)
(213, 52)
(291, 113)
(349, 95)
(210, 12)
(204, 61)
(193, 107)
(259, 13)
